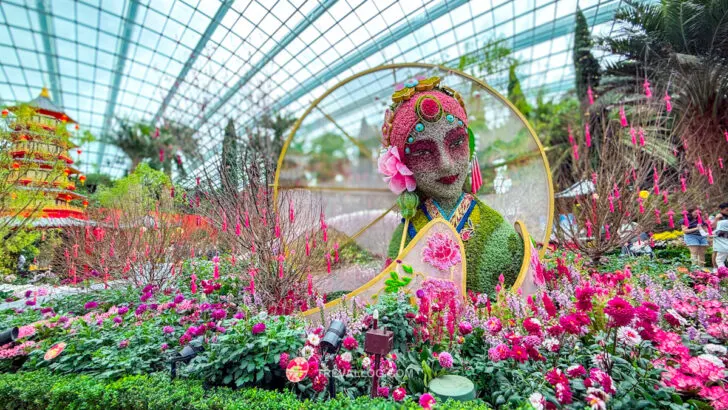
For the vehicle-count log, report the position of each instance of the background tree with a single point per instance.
(515, 93)
(586, 66)
(681, 48)
(230, 157)
(628, 187)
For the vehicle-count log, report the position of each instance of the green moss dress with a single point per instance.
(492, 245)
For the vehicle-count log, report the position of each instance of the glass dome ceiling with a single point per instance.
(199, 62)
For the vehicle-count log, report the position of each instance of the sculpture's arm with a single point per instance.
(393, 250)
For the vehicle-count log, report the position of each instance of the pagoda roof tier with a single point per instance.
(58, 191)
(50, 164)
(21, 134)
(47, 222)
(44, 105)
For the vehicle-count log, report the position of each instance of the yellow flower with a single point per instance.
(644, 194)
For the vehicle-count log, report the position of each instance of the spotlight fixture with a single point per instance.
(331, 343)
(334, 336)
(185, 356)
(8, 336)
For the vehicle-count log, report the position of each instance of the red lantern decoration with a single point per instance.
(5, 112)
(85, 203)
(82, 178)
(16, 165)
(76, 127)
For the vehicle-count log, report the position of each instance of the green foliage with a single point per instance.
(144, 185)
(392, 310)
(586, 65)
(395, 283)
(241, 358)
(230, 171)
(515, 94)
(45, 391)
(492, 58)
(23, 242)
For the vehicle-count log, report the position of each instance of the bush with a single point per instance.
(43, 390)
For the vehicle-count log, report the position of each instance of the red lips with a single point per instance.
(448, 180)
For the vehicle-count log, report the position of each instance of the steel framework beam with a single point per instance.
(402, 30)
(49, 47)
(368, 50)
(209, 31)
(317, 12)
(121, 57)
(562, 26)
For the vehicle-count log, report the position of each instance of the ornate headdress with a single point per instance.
(418, 103)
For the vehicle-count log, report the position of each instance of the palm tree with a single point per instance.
(160, 147)
(681, 48)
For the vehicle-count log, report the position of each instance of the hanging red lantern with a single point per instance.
(76, 127)
(82, 178)
(85, 203)
(5, 112)
(16, 165)
(78, 151)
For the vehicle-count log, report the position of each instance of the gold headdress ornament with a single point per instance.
(411, 87)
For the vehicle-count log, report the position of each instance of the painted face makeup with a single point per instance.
(439, 158)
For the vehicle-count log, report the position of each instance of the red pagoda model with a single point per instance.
(39, 184)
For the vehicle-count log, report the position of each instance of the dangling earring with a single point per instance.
(476, 179)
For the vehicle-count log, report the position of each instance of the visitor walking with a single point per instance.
(720, 240)
(722, 215)
(695, 236)
(21, 263)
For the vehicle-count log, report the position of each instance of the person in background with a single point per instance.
(720, 243)
(695, 237)
(720, 231)
(21, 263)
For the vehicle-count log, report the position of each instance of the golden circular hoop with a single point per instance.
(493, 92)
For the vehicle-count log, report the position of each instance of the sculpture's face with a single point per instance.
(439, 158)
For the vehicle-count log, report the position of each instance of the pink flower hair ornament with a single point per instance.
(395, 172)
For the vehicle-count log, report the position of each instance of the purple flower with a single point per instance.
(30, 302)
(420, 293)
(62, 319)
(153, 306)
(205, 306)
(91, 305)
(164, 346)
(123, 344)
(28, 293)
(118, 320)
(46, 310)
(141, 309)
(239, 315)
(219, 314)
(168, 329)
(145, 297)
(220, 329)
(123, 310)
(94, 273)
(445, 360)
(258, 328)
(179, 298)
(383, 391)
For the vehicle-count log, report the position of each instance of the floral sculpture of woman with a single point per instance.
(429, 149)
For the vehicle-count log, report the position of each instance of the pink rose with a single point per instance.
(396, 172)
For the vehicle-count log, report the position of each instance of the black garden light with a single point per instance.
(185, 356)
(9, 336)
(331, 343)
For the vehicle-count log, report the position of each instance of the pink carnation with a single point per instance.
(427, 401)
(441, 252)
(399, 394)
(396, 172)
